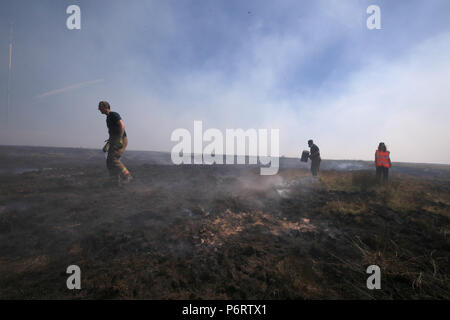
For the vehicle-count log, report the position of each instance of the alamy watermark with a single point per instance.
(74, 281)
(74, 20)
(374, 20)
(374, 281)
(234, 147)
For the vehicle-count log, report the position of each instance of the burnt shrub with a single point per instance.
(364, 180)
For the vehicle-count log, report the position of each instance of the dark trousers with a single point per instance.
(315, 165)
(382, 174)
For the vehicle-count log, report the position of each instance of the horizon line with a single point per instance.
(168, 152)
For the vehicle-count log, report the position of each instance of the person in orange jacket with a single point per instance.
(382, 162)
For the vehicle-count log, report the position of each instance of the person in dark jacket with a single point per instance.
(118, 142)
(314, 155)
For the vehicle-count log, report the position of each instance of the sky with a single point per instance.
(310, 68)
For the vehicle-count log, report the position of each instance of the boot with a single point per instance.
(126, 179)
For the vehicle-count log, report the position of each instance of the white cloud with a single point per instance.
(404, 103)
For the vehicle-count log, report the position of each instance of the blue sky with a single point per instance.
(309, 68)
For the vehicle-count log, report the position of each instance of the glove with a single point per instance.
(116, 142)
(106, 146)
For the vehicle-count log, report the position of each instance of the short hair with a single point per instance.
(310, 141)
(104, 104)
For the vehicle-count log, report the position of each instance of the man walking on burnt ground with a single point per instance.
(117, 142)
(314, 155)
(382, 163)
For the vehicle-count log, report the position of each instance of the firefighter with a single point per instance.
(314, 155)
(118, 142)
(382, 162)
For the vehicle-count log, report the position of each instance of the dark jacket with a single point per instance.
(315, 153)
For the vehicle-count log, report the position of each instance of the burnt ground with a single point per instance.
(218, 232)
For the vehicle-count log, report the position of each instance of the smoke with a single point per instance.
(310, 69)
